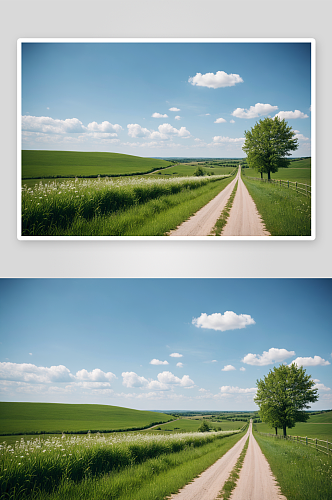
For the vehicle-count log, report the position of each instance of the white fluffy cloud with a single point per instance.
(227, 389)
(315, 361)
(48, 125)
(103, 127)
(131, 379)
(242, 369)
(158, 362)
(320, 387)
(135, 130)
(27, 372)
(165, 381)
(177, 117)
(159, 115)
(174, 109)
(176, 355)
(220, 120)
(227, 321)
(165, 132)
(269, 357)
(95, 375)
(179, 364)
(220, 139)
(254, 111)
(215, 81)
(228, 368)
(291, 114)
(300, 137)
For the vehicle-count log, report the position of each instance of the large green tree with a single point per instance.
(283, 395)
(268, 144)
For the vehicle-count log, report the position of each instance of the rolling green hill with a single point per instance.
(30, 418)
(53, 164)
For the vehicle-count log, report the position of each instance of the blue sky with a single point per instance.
(160, 343)
(162, 99)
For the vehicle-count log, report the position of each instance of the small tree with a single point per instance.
(283, 394)
(204, 427)
(199, 171)
(268, 143)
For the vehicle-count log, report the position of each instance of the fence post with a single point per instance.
(296, 186)
(288, 183)
(306, 440)
(316, 443)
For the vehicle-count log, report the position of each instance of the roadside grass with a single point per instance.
(285, 212)
(302, 473)
(156, 479)
(221, 222)
(234, 475)
(99, 468)
(29, 418)
(49, 164)
(292, 173)
(107, 208)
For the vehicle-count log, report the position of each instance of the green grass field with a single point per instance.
(298, 171)
(184, 169)
(119, 466)
(284, 211)
(122, 207)
(51, 164)
(191, 425)
(25, 418)
(301, 472)
(318, 426)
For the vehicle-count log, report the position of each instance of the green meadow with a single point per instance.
(298, 171)
(318, 426)
(52, 164)
(30, 418)
(192, 425)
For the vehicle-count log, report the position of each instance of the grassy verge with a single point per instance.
(302, 473)
(136, 469)
(234, 475)
(138, 208)
(285, 212)
(221, 222)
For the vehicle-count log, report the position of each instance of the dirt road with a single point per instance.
(256, 481)
(244, 219)
(202, 223)
(208, 485)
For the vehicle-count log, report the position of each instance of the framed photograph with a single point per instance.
(169, 139)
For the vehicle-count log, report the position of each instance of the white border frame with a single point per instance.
(312, 41)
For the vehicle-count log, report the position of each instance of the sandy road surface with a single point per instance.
(244, 219)
(202, 223)
(256, 481)
(208, 485)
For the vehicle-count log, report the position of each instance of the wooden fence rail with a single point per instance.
(299, 187)
(312, 442)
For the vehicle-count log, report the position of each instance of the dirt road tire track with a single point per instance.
(244, 219)
(208, 485)
(202, 223)
(256, 481)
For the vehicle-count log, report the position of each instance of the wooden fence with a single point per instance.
(299, 187)
(312, 442)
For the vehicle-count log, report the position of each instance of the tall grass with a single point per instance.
(285, 212)
(43, 464)
(302, 473)
(69, 208)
